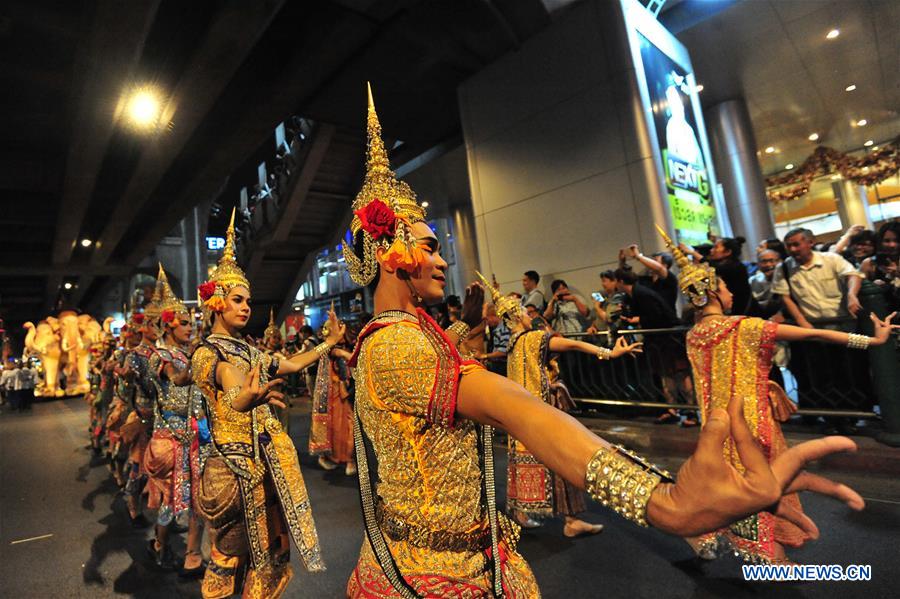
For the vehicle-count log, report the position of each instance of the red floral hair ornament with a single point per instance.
(377, 219)
(207, 290)
(138, 318)
(168, 316)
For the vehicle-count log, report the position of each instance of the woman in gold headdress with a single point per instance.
(172, 458)
(731, 357)
(532, 490)
(432, 527)
(252, 491)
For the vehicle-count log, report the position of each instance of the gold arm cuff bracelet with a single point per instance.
(855, 341)
(323, 349)
(460, 328)
(617, 482)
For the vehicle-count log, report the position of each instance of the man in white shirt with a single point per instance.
(822, 285)
(817, 285)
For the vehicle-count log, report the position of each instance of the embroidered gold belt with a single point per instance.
(436, 540)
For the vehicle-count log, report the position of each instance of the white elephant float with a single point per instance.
(63, 342)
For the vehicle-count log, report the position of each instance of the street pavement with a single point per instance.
(50, 485)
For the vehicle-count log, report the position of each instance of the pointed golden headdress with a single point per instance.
(696, 280)
(272, 329)
(383, 211)
(226, 276)
(508, 308)
(168, 302)
(153, 309)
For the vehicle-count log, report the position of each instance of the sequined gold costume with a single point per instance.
(731, 357)
(532, 488)
(252, 490)
(430, 508)
(172, 458)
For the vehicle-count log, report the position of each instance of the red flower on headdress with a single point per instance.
(206, 290)
(138, 318)
(377, 219)
(168, 316)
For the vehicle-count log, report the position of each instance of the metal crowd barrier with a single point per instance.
(830, 380)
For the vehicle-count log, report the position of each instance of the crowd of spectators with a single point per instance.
(791, 279)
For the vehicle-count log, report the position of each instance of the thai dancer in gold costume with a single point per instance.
(251, 491)
(138, 425)
(532, 490)
(432, 527)
(331, 429)
(122, 400)
(172, 458)
(731, 357)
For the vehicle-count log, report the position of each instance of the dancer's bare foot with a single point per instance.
(575, 528)
(192, 560)
(326, 464)
(350, 469)
(524, 521)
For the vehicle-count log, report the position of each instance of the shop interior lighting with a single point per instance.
(68, 285)
(835, 177)
(699, 87)
(86, 243)
(868, 143)
(862, 123)
(770, 150)
(850, 87)
(813, 137)
(424, 204)
(789, 167)
(833, 34)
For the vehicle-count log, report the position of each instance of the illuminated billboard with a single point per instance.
(675, 125)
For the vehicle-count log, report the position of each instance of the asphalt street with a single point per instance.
(64, 532)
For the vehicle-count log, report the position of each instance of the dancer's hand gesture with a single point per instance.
(252, 394)
(711, 494)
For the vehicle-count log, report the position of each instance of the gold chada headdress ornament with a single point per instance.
(272, 328)
(226, 276)
(169, 304)
(384, 210)
(508, 308)
(696, 280)
(152, 309)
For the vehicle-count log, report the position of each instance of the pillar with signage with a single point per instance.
(686, 179)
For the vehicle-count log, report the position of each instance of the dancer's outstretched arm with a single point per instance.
(709, 492)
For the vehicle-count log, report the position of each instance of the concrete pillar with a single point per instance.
(852, 203)
(733, 147)
(463, 220)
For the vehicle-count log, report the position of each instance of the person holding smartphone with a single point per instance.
(566, 310)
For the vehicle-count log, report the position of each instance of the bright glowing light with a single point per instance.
(699, 87)
(833, 34)
(868, 143)
(789, 167)
(68, 285)
(770, 150)
(813, 137)
(143, 107)
(850, 87)
(835, 177)
(424, 204)
(85, 243)
(862, 123)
